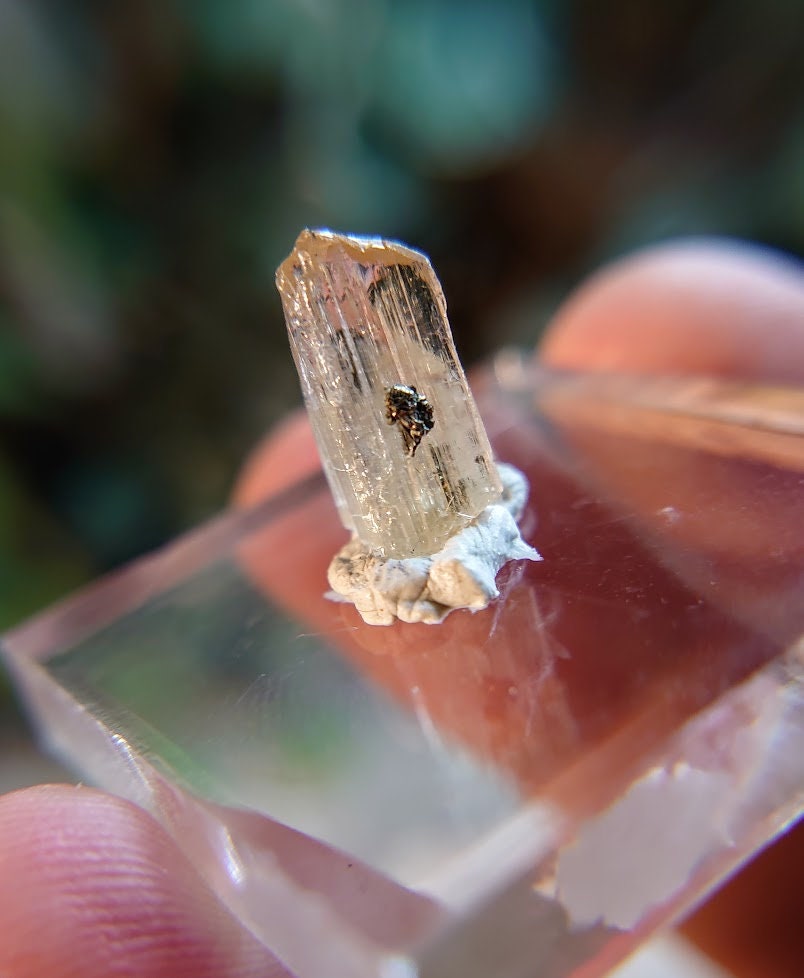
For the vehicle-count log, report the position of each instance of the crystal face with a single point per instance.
(401, 441)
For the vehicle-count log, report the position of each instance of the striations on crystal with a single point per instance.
(400, 438)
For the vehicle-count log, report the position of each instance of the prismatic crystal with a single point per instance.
(401, 441)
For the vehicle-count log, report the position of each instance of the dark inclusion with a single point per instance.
(407, 281)
(413, 413)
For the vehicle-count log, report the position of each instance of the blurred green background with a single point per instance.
(158, 158)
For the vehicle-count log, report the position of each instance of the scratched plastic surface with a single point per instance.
(533, 789)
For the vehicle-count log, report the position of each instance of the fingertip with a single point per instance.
(716, 307)
(91, 885)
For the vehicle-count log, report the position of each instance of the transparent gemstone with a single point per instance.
(400, 437)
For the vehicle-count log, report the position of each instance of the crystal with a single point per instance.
(400, 438)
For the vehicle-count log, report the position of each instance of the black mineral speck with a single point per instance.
(413, 413)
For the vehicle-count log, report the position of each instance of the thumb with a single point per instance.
(92, 887)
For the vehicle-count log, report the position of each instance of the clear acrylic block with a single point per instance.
(528, 790)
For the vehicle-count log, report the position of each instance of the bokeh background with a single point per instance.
(158, 158)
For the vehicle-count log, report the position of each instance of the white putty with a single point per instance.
(426, 589)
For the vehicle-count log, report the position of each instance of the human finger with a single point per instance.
(714, 307)
(91, 886)
(711, 467)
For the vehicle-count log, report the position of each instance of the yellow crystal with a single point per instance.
(400, 438)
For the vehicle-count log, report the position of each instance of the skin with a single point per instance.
(90, 885)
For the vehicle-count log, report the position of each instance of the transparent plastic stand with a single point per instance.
(533, 789)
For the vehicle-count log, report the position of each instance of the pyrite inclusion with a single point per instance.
(365, 317)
